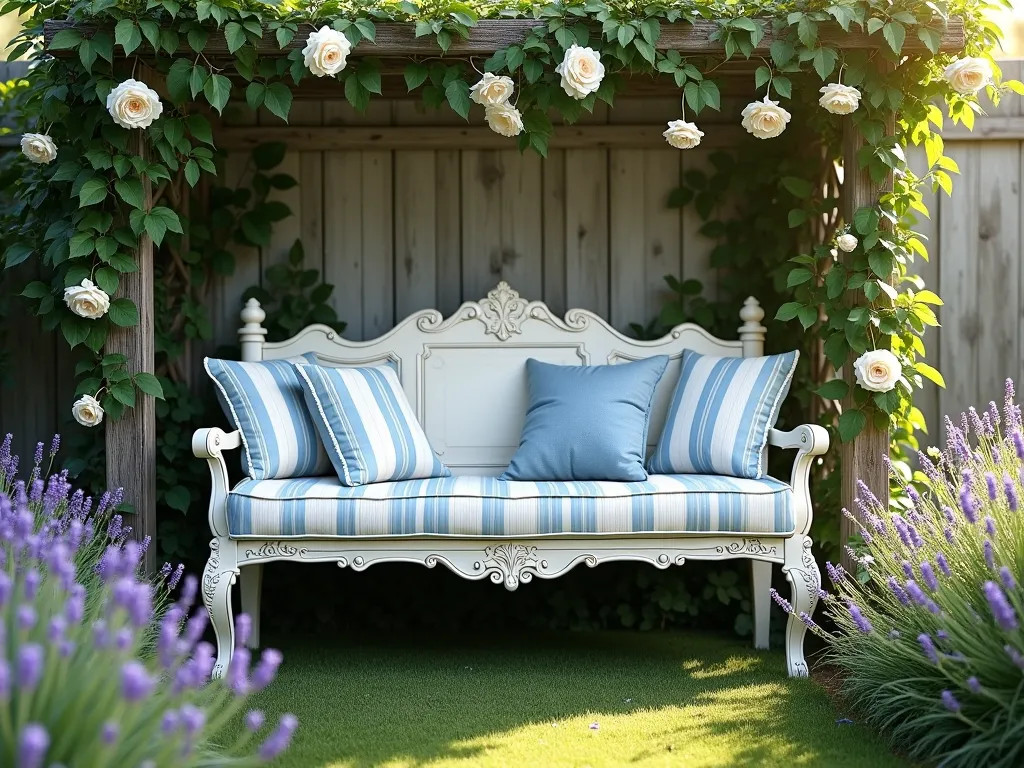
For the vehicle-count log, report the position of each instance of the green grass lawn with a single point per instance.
(529, 700)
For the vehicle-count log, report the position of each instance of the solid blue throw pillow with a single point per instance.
(586, 422)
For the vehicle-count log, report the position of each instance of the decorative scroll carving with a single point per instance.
(269, 549)
(747, 547)
(511, 564)
(212, 574)
(503, 311)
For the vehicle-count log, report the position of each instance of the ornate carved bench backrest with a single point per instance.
(466, 377)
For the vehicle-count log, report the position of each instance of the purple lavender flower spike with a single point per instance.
(31, 583)
(238, 672)
(32, 746)
(901, 527)
(192, 719)
(114, 528)
(928, 647)
(916, 593)
(928, 574)
(1006, 577)
(278, 741)
(869, 498)
(908, 569)
(6, 587)
(835, 572)
(188, 589)
(948, 533)
(266, 670)
(169, 722)
(976, 423)
(989, 552)
(1010, 489)
(165, 571)
(950, 702)
(254, 720)
(1001, 609)
(195, 627)
(973, 685)
(136, 684)
(55, 445)
(175, 577)
(897, 590)
(37, 457)
(26, 616)
(943, 564)
(108, 734)
(243, 629)
(807, 620)
(74, 606)
(783, 603)
(990, 526)
(1018, 443)
(35, 494)
(858, 618)
(5, 680)
(123, 639)
(30, 666)
(968, 504)
(990, 483)
(1015, 656)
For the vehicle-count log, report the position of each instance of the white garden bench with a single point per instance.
(465, 377)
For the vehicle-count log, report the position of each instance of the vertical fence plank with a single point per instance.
(927, 399)
(626, 181)
(520, 261)
(554, 235)
(343, 235)
(586, 230)
(415, 233)
(447, 193)
(958, 227)
(378, 244)
(482, 171)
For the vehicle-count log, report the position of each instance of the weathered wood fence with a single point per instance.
(407, 226)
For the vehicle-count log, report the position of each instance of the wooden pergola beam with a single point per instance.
(490, 35)
(440, 137)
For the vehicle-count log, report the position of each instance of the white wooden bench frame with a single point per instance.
(493, 326)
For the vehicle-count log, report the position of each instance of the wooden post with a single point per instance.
(861, 459)
(131, 440)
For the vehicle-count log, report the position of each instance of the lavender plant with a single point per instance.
(78, 685)
(933, 643)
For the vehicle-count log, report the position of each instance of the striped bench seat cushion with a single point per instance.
(318, 507)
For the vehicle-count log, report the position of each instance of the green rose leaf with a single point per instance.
(123, 312)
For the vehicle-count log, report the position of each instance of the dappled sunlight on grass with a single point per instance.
(657, 700)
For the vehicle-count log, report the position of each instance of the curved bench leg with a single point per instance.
(251, 586)
(218, 577)
(805, 579)
(761, 584)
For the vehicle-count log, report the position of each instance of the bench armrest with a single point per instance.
(809, 440)
(210, 444)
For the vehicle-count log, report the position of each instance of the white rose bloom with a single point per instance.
(969, 75)
(326, 52)
(134, 104)
(765, 119)
(39, 148)
(839, 99)
(86, 300)
(491, 90)
(682, 135)
(87, 411)
(877, 370)
(504, 119)
(581, 70)
(846, 242)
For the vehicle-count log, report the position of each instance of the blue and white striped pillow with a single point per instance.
(265, 401)
(368, 425)
(720, 414)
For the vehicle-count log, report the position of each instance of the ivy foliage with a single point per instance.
(84, 213)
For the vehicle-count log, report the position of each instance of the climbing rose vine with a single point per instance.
(122, 76)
